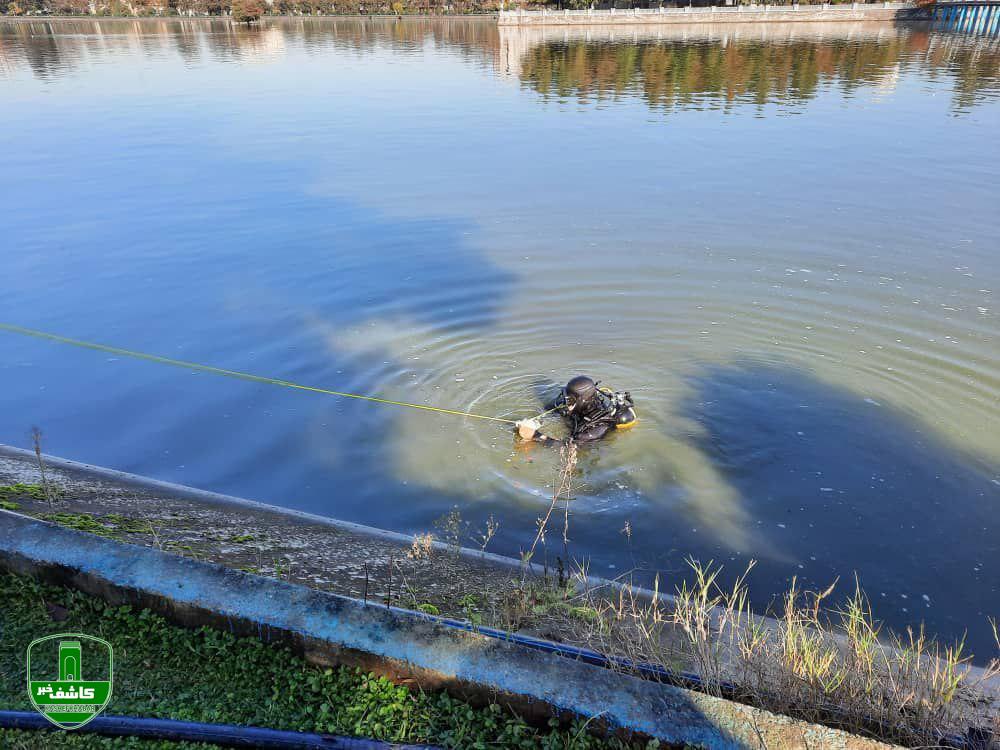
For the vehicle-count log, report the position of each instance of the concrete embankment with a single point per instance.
(436, 575)
(316, 551)
(323, 588)
(245, 544)
(332, 630)
(754, 13)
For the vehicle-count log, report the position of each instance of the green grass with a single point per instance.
(57, 740)
(9, 492)
(208, 675)
(112, 525)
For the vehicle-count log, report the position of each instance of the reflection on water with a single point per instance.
(720, 67)
(64, 46)
(690, 66)
(781, 239)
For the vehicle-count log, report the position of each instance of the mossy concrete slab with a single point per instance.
(333, 629)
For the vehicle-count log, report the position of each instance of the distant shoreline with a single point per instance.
(379, 16)
(810, 12)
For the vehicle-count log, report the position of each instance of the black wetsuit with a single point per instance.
(595, 419)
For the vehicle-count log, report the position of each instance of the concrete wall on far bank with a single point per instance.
(739, 14)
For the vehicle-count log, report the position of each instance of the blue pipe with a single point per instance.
(227, 735)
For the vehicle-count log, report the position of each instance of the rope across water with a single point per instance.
(235, 373)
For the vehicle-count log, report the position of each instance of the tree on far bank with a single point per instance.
(70, 7)
(247, 11)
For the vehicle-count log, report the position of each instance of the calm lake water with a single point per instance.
(782, 240)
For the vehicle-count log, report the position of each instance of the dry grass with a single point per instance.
(563, 492)
(487, 533)
(423, 545)
(36, 439)
(825, 664)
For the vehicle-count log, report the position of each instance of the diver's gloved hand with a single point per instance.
(526, 428)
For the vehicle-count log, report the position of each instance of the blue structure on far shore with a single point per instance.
(972, 16)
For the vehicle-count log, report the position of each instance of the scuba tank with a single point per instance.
(622, 408)
(606, 405)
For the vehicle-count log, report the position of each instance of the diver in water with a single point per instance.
(590, 411)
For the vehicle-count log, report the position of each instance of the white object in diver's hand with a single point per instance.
(527, 428)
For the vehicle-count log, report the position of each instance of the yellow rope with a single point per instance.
(557, 407)
(233, 373)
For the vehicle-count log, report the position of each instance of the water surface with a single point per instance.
(782, 240)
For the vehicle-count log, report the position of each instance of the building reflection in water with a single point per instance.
(670, 67)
